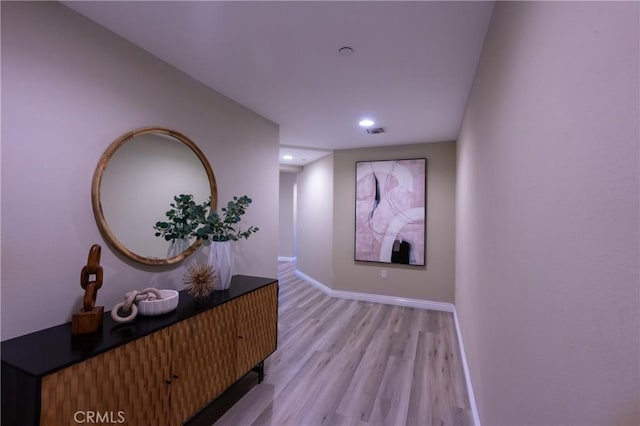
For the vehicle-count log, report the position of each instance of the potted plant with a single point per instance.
(186, 219)
(182, 221)
(219, 230)
(225, 226)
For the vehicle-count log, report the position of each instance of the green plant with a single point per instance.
(182, 218)
(188, 219)
(224, 226)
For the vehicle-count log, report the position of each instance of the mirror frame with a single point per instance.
(106, 232)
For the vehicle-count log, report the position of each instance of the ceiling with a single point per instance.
(411, 68)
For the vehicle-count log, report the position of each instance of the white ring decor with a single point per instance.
(129, 304)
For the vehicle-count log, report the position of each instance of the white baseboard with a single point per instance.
(411, 303)
(286, 259)
(377, 298)
(467, 374)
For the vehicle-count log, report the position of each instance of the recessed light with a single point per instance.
(367, 122)
(287, 157)
(345, 51)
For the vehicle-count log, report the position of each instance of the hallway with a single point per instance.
(345, 362)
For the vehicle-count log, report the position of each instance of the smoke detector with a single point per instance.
(376, 130)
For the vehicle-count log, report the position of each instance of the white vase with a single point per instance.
(177, 246)
(221, 258)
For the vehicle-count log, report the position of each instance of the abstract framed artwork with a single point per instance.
(391, 211)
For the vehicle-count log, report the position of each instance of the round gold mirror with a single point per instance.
(134, 184)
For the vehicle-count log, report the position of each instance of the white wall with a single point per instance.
(547, 275)
(286, 240)
(315, 220)
(70, 88)
(435, 281)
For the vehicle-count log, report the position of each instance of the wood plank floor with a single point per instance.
(344, 362)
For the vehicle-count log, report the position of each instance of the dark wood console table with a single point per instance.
(154, 371)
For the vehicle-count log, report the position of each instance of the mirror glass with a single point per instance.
(135, 183)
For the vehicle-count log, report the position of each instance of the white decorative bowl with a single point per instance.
(168, 303)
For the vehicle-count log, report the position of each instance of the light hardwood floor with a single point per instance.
(344, 362)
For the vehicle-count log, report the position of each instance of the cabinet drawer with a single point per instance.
(203, 352)
(125, 385)
(257, 327)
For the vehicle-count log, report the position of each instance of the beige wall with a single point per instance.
(315, 220)
(547, 287)
(69, 88)
(436, 281)
(286, 242)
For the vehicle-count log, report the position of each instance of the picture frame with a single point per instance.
(390, 211)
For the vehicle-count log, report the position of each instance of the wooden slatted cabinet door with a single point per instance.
(257, 327)
(203, 351)
(126, 385)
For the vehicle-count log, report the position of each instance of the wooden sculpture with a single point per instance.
(89, 319)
